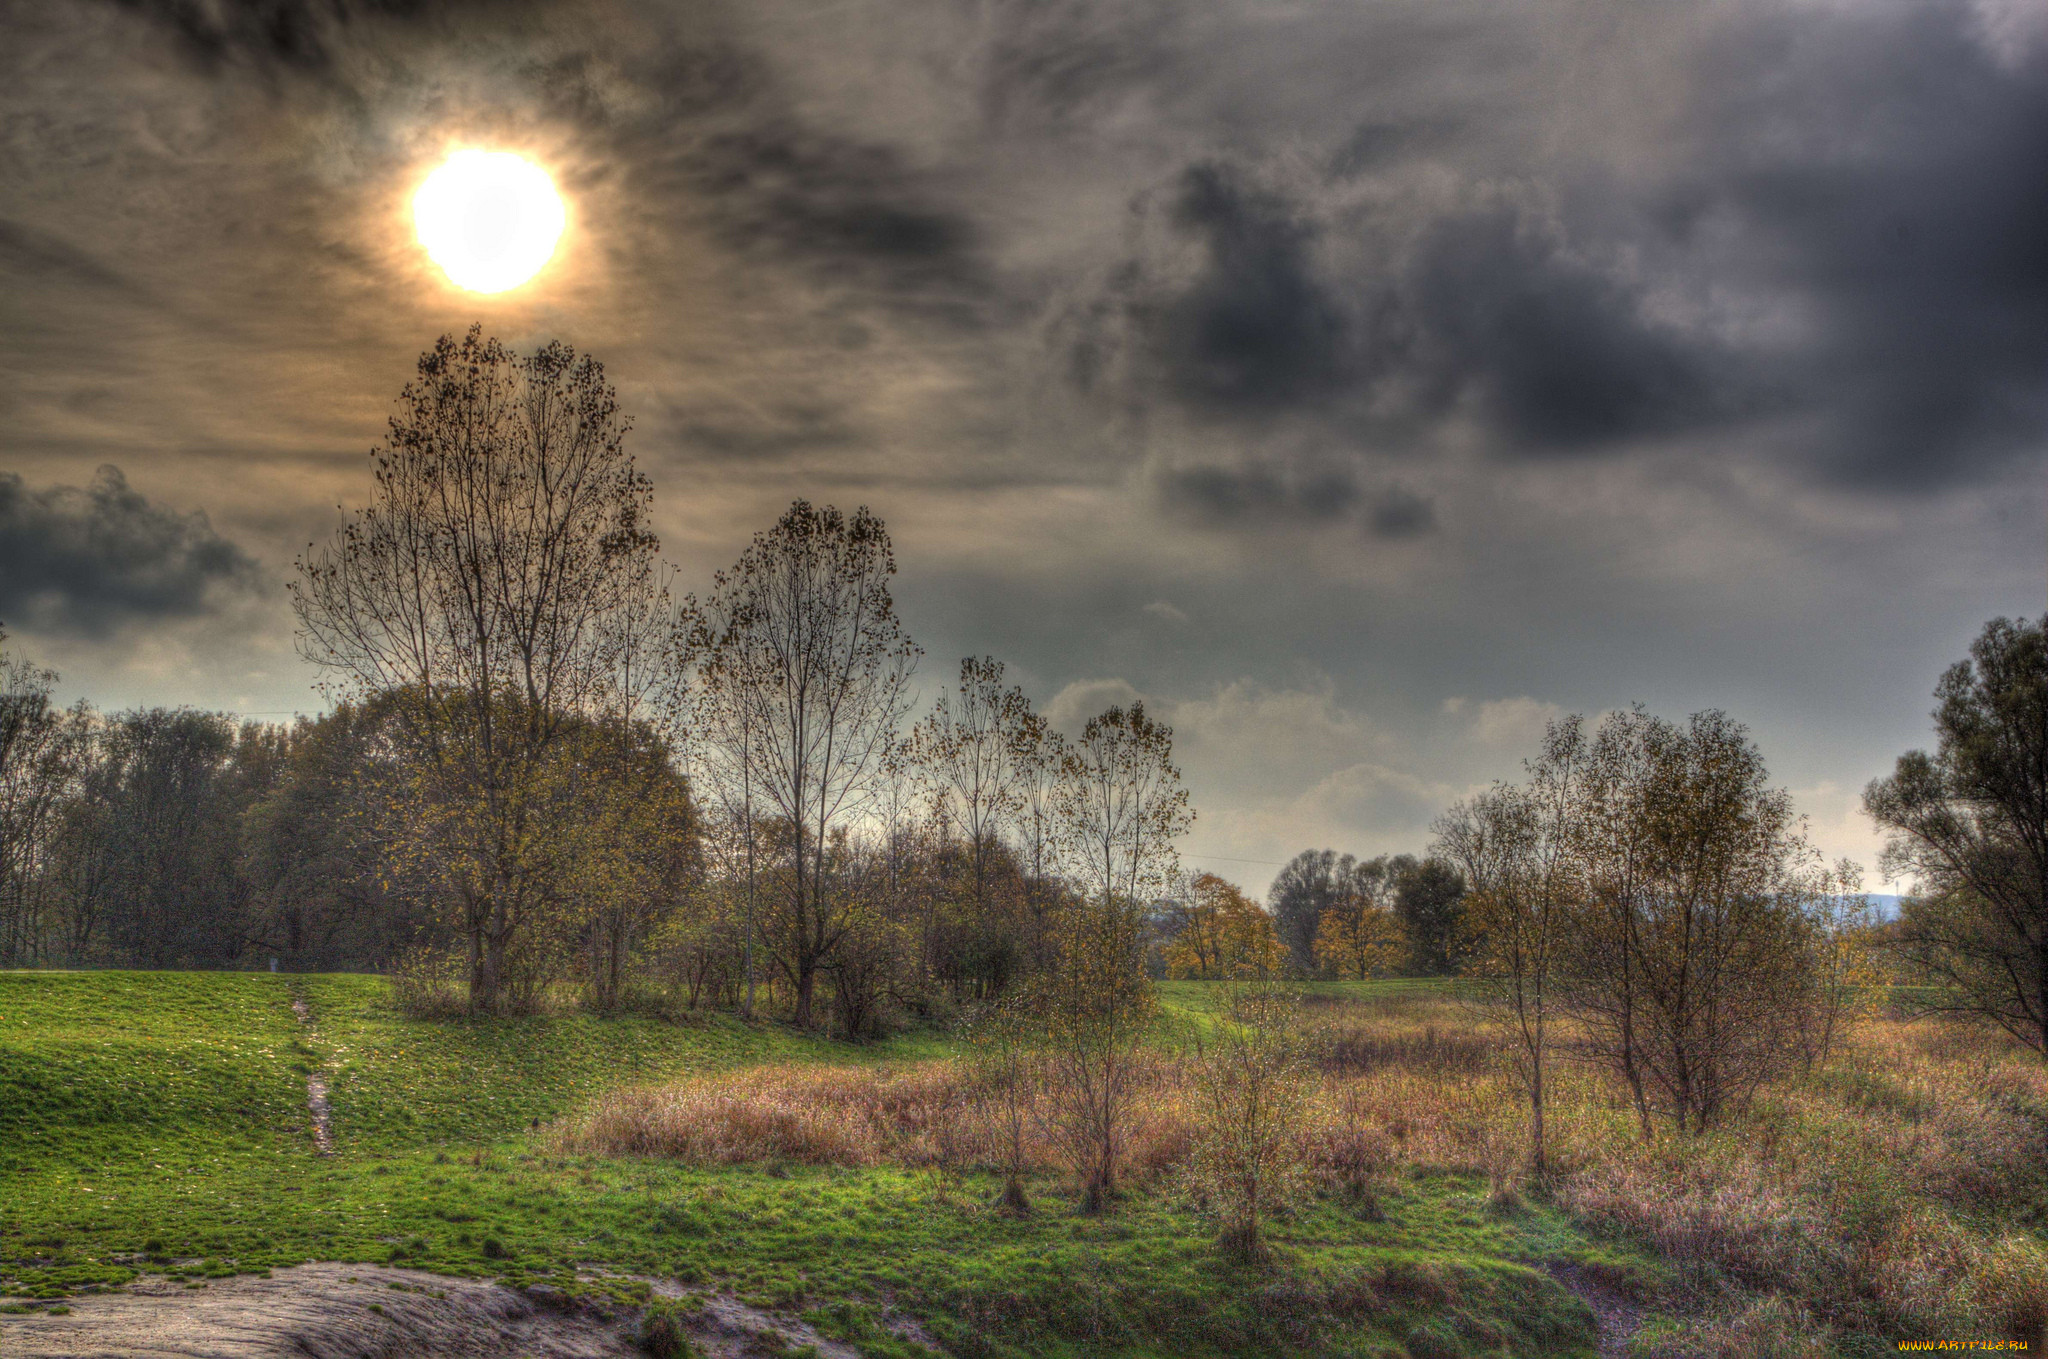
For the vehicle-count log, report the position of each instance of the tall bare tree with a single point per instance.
(802, 681)
(40, 746)
(1120, 808)
(969, 752)
(491, 584)
(1513, 844)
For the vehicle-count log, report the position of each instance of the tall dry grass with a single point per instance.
(1885, 1193)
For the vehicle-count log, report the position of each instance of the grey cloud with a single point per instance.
(24, 249)
(851, 211)
(1261, 493)
(83, 562)
(1400, 513)
(1256, 330)
(1302, 492)
(301, 34)
(1554, 353)
(1899, 185)
(1834, 256)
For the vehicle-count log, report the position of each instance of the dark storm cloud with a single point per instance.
(1555, 355)
(83, 562)
(1255, 330)
(1898, 182)
(1486, 312)
(1835, 256)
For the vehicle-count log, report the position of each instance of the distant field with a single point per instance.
(158, 1121)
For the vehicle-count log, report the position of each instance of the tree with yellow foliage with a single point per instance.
(1360, 936)
(1224, 934)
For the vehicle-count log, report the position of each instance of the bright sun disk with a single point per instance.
(490, 219)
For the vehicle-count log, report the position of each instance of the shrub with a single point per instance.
(1250, 1090)
(430, 983)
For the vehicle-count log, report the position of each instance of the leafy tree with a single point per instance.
(495, 592)
(636, 848)
(177, 895)
(1223, 933)
(1310, 883)
(1427, 895)
(1970, 822)
(1693, 939)
(1360, 936)
(323, 898)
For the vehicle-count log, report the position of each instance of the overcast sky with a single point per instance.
(1361, 383)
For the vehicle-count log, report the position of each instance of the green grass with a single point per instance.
(163, 1116)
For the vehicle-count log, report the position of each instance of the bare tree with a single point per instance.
(1003, 1050)
(1513, 844)
(1120, 808)
(1094, 1005)
(803, 676)
(40, 747)
(488, 584)
(968, 753)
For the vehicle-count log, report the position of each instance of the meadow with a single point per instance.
(157, 1122)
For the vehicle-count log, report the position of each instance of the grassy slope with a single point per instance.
(164, 1113)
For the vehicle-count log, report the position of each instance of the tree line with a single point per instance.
(540, 766)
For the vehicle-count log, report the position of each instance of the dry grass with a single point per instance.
(816, 1115)
(1888, 1193)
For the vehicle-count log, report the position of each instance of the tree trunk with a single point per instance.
(806, 985)
(487, 987)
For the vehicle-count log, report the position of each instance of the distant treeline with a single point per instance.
(167, 838)
(174, 838)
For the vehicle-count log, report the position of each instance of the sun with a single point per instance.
(490, 219)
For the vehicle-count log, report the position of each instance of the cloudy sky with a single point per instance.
(1361, 382)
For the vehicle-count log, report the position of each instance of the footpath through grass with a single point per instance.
(158, 1121)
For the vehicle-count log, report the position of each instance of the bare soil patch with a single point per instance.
(316, 1091)
(1616, 1315)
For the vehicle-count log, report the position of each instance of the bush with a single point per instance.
(430, 983)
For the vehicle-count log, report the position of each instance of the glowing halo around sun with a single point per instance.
(490, 219)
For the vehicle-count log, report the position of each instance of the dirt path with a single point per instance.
(1616, 1316)
(316, 1089)
(330, 1311)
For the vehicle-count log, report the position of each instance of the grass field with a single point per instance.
(158, 1121)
